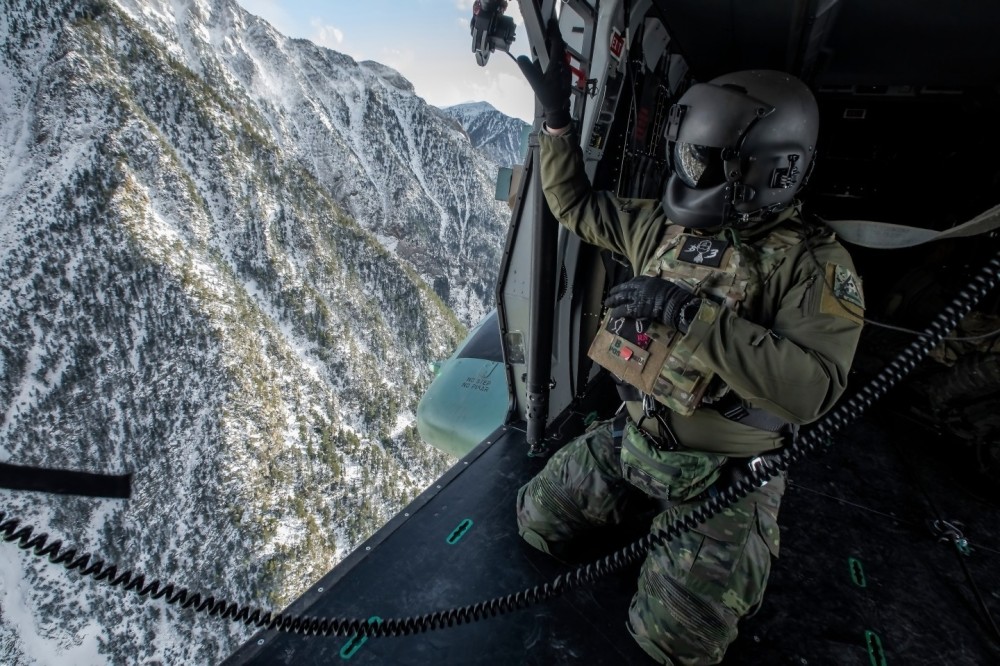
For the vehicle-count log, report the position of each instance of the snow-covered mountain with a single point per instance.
(223, 256)
(492, 132)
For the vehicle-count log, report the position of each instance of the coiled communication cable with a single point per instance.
(818, 434)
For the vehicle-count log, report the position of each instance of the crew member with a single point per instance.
(741, 325)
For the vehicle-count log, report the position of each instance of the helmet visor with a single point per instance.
(698, 166)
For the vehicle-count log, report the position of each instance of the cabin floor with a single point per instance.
(862, 578)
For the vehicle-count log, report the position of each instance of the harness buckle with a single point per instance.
(736, 412)
(757, 468)
(666, 440)
(650, 408)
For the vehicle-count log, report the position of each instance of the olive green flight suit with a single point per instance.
(787, 351)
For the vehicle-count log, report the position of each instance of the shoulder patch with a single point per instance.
(842, 295)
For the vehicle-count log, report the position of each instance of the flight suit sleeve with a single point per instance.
(796, 366)
(631, 227)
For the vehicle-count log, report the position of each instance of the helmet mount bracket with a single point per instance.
(674, 118)
(785, 177)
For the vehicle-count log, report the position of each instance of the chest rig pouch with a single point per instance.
(659, 360)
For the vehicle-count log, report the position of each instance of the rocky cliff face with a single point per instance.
(227, 259)
(401, 168)
(496, 135)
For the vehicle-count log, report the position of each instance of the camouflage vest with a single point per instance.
(659, 360)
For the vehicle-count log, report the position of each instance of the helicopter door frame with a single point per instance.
(550, 287)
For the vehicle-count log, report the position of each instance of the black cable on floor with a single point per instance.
(818, 436)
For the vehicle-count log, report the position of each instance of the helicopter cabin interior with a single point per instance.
(890, 540)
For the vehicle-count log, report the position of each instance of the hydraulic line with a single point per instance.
(820, 434)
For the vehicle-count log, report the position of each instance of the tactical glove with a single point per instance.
(552, 87)
(647, 297)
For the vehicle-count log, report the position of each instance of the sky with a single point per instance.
(427, 41)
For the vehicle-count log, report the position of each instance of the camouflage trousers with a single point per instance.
(692, 590)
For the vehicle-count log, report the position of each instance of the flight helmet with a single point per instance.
(740, 147)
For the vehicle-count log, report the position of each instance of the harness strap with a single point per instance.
(733, 409)
(65, 482)
(618, 427)
(884, 235)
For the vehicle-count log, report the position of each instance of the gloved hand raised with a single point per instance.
(552, 87)
(647, 297)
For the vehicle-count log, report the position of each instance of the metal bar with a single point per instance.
(543, 287)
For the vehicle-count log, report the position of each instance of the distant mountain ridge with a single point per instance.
(495, 134)
(217, 247)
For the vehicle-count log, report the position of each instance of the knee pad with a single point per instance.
(674, 625)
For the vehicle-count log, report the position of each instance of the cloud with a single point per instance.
(325, 34)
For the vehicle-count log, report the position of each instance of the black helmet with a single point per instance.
(740, 147)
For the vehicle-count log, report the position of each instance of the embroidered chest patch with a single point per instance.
(702, 251)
